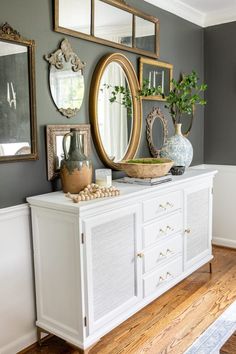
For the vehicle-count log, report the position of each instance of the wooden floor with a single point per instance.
(171, 323)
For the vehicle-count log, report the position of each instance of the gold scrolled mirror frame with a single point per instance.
(93, 107)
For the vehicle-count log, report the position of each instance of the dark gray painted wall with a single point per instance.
(181, 44)
(220, 112)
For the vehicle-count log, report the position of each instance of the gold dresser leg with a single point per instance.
(41, 331)
(210, 267)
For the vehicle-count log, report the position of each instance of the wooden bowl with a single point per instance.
(146, 167)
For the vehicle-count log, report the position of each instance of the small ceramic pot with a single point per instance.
(177, 170)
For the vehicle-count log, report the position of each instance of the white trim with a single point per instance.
(20, 343)
(220, 241)
(180, 9)
(189, 13)
(11, 212)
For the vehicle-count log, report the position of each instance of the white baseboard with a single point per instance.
(20, 343)
(218, 241)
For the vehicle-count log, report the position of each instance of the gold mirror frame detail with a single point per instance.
(52, 131)
(93, 107)
(152, 116)
(55, 59)
(160, 64)
(120, 4)
(9, 34)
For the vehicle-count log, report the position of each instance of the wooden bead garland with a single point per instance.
(93, 191)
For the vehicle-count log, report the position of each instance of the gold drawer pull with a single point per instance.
(168, 274)
(169, 228)
(162, 231)
(168, 251)
(187, 231)
(162, 254)
(162, 206)
(169, 204)
(140, 255)
(161, 279)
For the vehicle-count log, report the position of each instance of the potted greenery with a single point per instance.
(182, 99)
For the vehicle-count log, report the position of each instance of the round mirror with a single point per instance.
(157, 132)
(66, 79)
(114, 109)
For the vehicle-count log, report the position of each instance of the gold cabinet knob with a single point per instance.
(162, 206)
(161, 279)
(187, 231)
(140, 255)
(162, 254)
(169, 204)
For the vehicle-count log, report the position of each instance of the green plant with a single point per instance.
(184, 95)
(147, 90)
(120, 95)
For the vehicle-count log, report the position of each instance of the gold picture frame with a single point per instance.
(54, 136)
(157, 73)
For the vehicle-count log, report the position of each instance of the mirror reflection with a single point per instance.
(75, 15)
(115, 116)
(17, 96)
(66, 79)
(116, 26)
(145, 34)
(157, 132)
(67, 87)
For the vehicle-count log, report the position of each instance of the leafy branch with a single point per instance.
(184, 95)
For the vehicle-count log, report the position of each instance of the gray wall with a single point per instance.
(220, 112)
(181, 43)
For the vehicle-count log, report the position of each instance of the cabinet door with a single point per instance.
(113, 270)
(198, 219)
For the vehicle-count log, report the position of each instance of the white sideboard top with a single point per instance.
(58, 200)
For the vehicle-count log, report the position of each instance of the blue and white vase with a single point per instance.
(178, 148)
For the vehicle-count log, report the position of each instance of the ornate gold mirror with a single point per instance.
(157, 132)
(66, 79)
(115, 112)
(17, 96)
(122, 27)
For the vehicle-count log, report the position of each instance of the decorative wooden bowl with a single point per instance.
(146, 167)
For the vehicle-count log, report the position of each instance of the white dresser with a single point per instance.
(99, 262)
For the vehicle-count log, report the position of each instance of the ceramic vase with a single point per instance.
(178, 148)
(76, 168)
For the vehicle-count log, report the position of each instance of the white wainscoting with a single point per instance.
(17, 304)
(224, 205)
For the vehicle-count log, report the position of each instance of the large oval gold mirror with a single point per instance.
(115, 111)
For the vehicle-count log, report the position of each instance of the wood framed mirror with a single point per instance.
(18, 136)
(156, 131)
(115, 111)
(123, 27)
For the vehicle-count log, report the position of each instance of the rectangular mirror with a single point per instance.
(17, 97)
(156, 74)
(122, 27)
(54, 136)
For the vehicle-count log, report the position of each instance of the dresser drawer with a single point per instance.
(163, 251)
(161, 205)
(161, 277)
(162, 228)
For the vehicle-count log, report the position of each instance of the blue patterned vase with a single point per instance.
(178, 148)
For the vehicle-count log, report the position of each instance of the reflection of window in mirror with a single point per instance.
(114, 122)
(144, 34)
(15, 131)
(116, 26)
(75, 15)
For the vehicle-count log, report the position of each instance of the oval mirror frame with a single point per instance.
(93, 107)
(58, 61)
(152, 116)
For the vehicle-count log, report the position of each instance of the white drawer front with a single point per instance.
(162, 205)
(164, 275)
(163, 251)
(167, 226)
